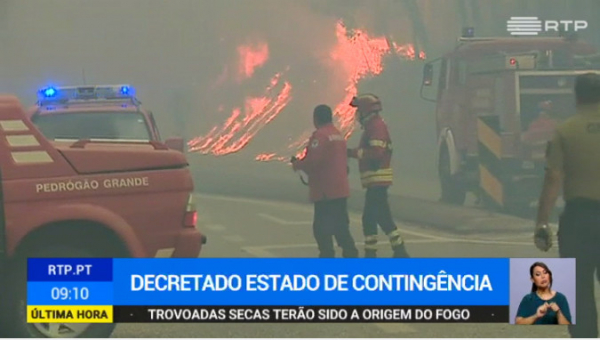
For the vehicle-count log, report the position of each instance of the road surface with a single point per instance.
(239, 227)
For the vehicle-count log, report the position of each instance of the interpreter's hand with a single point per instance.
(541, 311)
(554, 307)
(542, 237)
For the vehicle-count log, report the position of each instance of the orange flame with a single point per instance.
(358, 55)
(251, 57)
(239, 129)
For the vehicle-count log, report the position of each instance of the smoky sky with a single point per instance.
(175, 51)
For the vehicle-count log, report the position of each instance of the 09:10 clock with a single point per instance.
(74, 293)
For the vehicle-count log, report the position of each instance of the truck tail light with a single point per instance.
(191, 215)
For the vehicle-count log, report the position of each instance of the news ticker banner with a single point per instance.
(268, 290)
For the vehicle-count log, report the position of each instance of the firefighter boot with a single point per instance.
(400, 251)
(350, 251)
(371, 246)
(397, 244)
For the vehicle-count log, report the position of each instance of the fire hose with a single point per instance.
(305, 182)
(300, 173)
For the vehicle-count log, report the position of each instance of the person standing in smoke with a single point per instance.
(326, 163)
(374, 156)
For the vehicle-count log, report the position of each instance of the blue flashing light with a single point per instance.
(86, 93)
(49, 92)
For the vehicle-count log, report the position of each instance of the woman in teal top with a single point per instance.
(543, 306)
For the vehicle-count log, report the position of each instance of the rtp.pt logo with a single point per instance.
(534, 25)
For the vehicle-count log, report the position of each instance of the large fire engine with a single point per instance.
(84, 199)
(109, 112)
(497, 103)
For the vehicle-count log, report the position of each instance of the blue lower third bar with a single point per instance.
(70, 293)
(311, 282)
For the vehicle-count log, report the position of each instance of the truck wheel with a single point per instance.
(452, 190)
(17, 304)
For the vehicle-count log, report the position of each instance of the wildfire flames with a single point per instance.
(250, 58)
(360, 56)
(239, 129)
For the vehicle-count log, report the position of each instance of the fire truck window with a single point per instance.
(98, 125)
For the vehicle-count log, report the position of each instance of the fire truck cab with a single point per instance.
(102, 112)
(84, 199)
(497, 103)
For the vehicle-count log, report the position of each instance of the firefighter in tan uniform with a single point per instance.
(573, 164)
(374, 155)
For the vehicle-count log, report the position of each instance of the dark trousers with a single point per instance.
(579, 238)
(376, 213)
(331, 220)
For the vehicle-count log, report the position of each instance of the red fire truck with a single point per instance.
(84, 199)
(99, 112)
(497, 103)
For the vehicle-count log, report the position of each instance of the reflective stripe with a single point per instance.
(492, 185)
(490, 159)
(191, 204)
(395, 239)
(377, 179)
(489, 138)
(375, 142)
(371, 242)
(380, 143)
(371, 239)
(372, 178)
(164, 253)
(380, 172)
(381, 175)
(26, 157)
(13, 125)
(22, 140)
(394, 233)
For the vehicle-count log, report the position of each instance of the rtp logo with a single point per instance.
(534, 26)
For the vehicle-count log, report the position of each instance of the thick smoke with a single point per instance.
(304, 44)
(175, 52)
(298, 41)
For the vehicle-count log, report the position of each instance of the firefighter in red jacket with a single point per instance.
(374, 155)
(326, 165)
